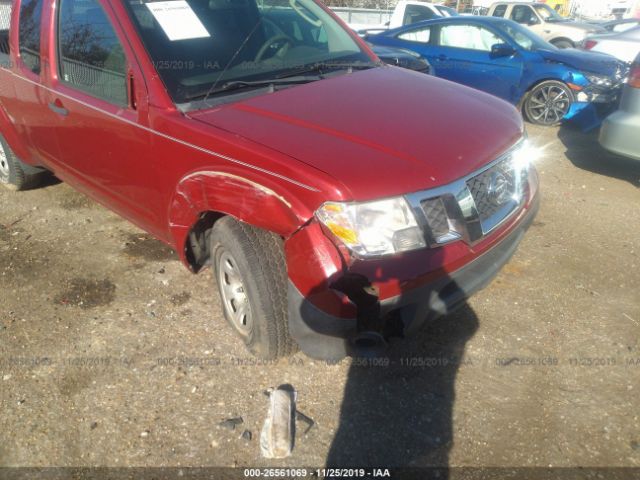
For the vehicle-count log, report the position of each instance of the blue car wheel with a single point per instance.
(548, 103)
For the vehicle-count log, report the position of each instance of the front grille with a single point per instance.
(472, 207)
(436, 214)
(483, 188)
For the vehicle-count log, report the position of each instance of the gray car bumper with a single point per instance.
(619, 134)
(324, 336)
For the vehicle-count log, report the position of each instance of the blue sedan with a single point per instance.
(507, 60)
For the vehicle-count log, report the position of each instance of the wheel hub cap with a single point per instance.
(549, 105)
(4, 165)
(234, 297)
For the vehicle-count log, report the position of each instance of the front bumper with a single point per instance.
(325, 336)
(595, 102)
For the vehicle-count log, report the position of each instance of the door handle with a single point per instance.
(443, 58)
(58, 108)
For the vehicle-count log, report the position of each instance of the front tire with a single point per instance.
(563, 43)
(13, 173)
(250, 270)
(548, 102)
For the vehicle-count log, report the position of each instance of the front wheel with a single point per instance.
(548, 103)
(563, 43)
(250, 270)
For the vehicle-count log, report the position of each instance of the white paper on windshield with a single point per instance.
(178, 20)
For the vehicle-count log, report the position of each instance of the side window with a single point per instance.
(91, 58)
(524, 15)
(29, 33)
(417, 13)
(470, 37)
(500, 10)
(421, 35)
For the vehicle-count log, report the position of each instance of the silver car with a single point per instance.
(624, 46)
(620, 131)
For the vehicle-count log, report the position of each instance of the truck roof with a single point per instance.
(515, 3)
(460, 19)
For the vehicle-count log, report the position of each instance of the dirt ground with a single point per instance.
(113, 354)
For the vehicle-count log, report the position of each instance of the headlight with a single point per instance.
(600, 81)
(373, 228)
(524, 156)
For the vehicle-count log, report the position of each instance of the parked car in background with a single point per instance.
(545, 21)
(447, 11)
(620, 132)
(624, 46)
(328, 192)
(475, 10)
(509, 61)
(406, 12)
(400, 57)
(617, 26)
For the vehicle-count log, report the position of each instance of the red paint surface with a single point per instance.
(270, 161)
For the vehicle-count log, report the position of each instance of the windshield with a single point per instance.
(199, 45)
(548, 14)
(525, 37)
(447, 11)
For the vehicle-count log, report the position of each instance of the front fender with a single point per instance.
(258, 202)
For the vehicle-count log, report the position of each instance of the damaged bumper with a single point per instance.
(594, 103)
(330, 334)
(601, 95)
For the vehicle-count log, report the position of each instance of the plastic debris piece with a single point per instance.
(305, 419)
(278, 432)
(231, 423)
(299, 415)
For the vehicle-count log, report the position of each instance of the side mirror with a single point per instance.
(533, 21)
(502, 50)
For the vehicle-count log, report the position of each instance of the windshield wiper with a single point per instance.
(294, 76)
(251, 84)
(323, 67)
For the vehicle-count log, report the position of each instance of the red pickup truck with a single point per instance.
(337, 200)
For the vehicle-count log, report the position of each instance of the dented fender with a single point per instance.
(260, 203)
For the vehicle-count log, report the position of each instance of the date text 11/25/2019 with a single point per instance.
(317, 472)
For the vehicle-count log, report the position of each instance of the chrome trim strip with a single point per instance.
(164, 135)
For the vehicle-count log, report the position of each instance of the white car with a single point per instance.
(624, 46)
(404, 13)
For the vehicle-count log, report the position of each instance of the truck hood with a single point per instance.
(379, 132)
(592, 62)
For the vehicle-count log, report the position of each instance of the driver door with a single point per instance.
(100, 100)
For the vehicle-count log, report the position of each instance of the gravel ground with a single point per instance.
(113, 354)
